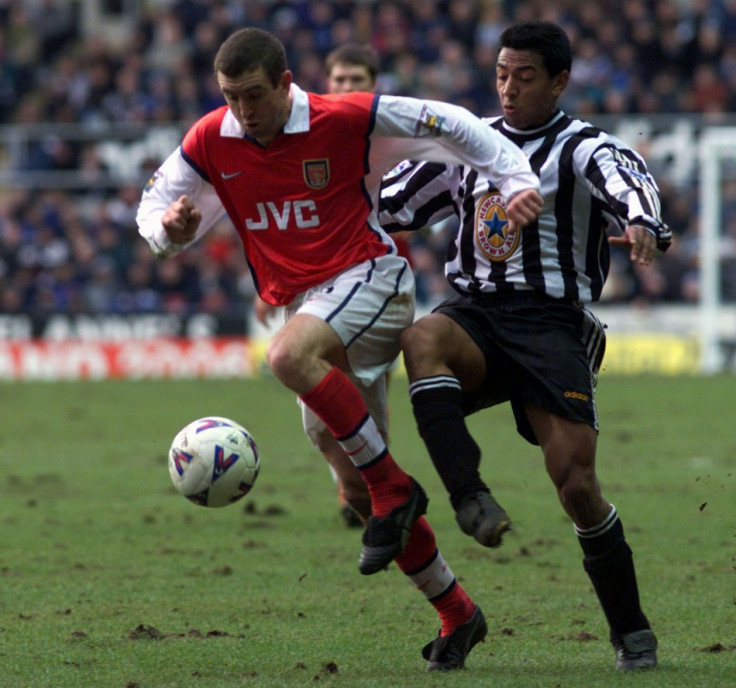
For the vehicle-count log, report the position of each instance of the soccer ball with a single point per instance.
(213, 461)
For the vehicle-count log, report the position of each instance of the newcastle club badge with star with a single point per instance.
(493, 235)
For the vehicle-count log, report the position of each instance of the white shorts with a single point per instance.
(369, 306)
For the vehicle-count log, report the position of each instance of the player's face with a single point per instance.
(528, 94)
(346, 78)
(259, 107)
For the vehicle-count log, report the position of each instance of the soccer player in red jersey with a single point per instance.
(298, 174)
(349, 68)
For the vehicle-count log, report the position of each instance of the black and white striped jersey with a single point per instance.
(590, 180)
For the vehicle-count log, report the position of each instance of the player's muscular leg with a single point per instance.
(304, 351)
(437, 345)
(569, 452)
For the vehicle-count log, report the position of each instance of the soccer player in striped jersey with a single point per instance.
(518, 329)
(299, 175)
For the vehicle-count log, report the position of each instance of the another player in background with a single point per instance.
(349, 68)
(299, 174)
(518, 329)
(352, 67)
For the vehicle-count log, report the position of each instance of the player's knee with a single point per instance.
(414, 339)
(579, 490)
(283, 359)
(421, 343)
(573, 490)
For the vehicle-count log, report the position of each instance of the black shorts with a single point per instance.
(538, 350)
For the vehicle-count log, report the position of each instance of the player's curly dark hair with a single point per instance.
(248, 49)
(545, 38)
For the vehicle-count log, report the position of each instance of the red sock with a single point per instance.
(337, 402)
(388, 484)
(423, 564)
(454, 609)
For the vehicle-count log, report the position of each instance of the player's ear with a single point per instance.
(559, 82)
(286, 78)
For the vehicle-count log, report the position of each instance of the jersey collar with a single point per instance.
(298, 121)
(531, 133)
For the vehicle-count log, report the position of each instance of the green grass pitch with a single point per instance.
(110, 579)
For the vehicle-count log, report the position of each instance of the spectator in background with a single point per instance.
(185, 34)
(627, 43)
(351, 67)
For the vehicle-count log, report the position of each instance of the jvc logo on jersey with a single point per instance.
(300, 214)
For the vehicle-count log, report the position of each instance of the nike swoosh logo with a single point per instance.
(359, 449)
(231, 175)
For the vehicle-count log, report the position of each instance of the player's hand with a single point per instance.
(640, 241)
(181, 219)
(263, 311)
(524, 207)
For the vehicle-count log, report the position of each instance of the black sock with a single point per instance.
(610, 565)
(437, 404)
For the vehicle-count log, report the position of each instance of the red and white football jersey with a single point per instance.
(304, 205)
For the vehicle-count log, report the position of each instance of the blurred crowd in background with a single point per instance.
(78, 251)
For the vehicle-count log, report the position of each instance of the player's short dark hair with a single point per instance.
(545, 38)
(354, 54)
(248, 49)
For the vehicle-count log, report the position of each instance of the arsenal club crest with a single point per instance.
(316, 173)
(493, 235)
